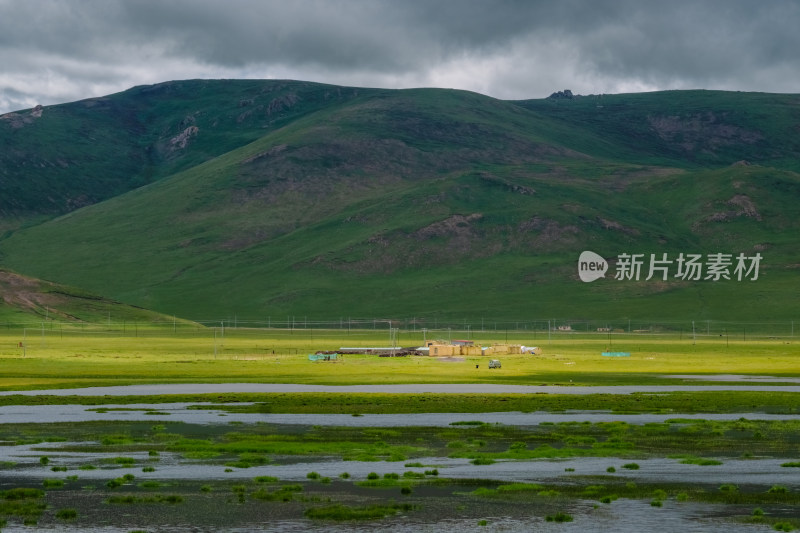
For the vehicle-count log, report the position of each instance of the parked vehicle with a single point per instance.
(495, 363)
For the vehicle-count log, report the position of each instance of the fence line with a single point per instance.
(461, 328)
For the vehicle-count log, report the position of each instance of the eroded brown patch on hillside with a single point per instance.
(31, 295)
(701, 131)
(741, 206)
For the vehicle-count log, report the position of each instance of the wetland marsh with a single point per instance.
(721, 459)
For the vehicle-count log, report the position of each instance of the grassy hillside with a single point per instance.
(440, 203)
(27, 300)
(59, 158)
(684, 128)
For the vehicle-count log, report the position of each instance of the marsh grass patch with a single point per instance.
(339, 512)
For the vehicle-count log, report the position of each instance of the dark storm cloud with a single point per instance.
(57, 51)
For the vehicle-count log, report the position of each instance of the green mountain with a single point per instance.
(209, 199)
(63, 157)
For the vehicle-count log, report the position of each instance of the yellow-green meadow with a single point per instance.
(58, 357)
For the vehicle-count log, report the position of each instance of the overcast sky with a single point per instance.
(54, 51)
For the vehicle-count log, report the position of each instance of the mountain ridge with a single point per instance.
(434, 201)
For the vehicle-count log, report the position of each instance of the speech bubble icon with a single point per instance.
(591, 266)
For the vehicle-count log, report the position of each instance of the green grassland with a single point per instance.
(431, 203)
(71, 357)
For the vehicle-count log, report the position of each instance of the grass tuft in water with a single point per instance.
(559, 517)
(340, 512)
(778, 489)
(67, 514)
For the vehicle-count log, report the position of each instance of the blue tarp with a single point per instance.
(616, 354)
(322, 357)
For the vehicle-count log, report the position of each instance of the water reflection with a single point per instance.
(179, 412)
(432, 388)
